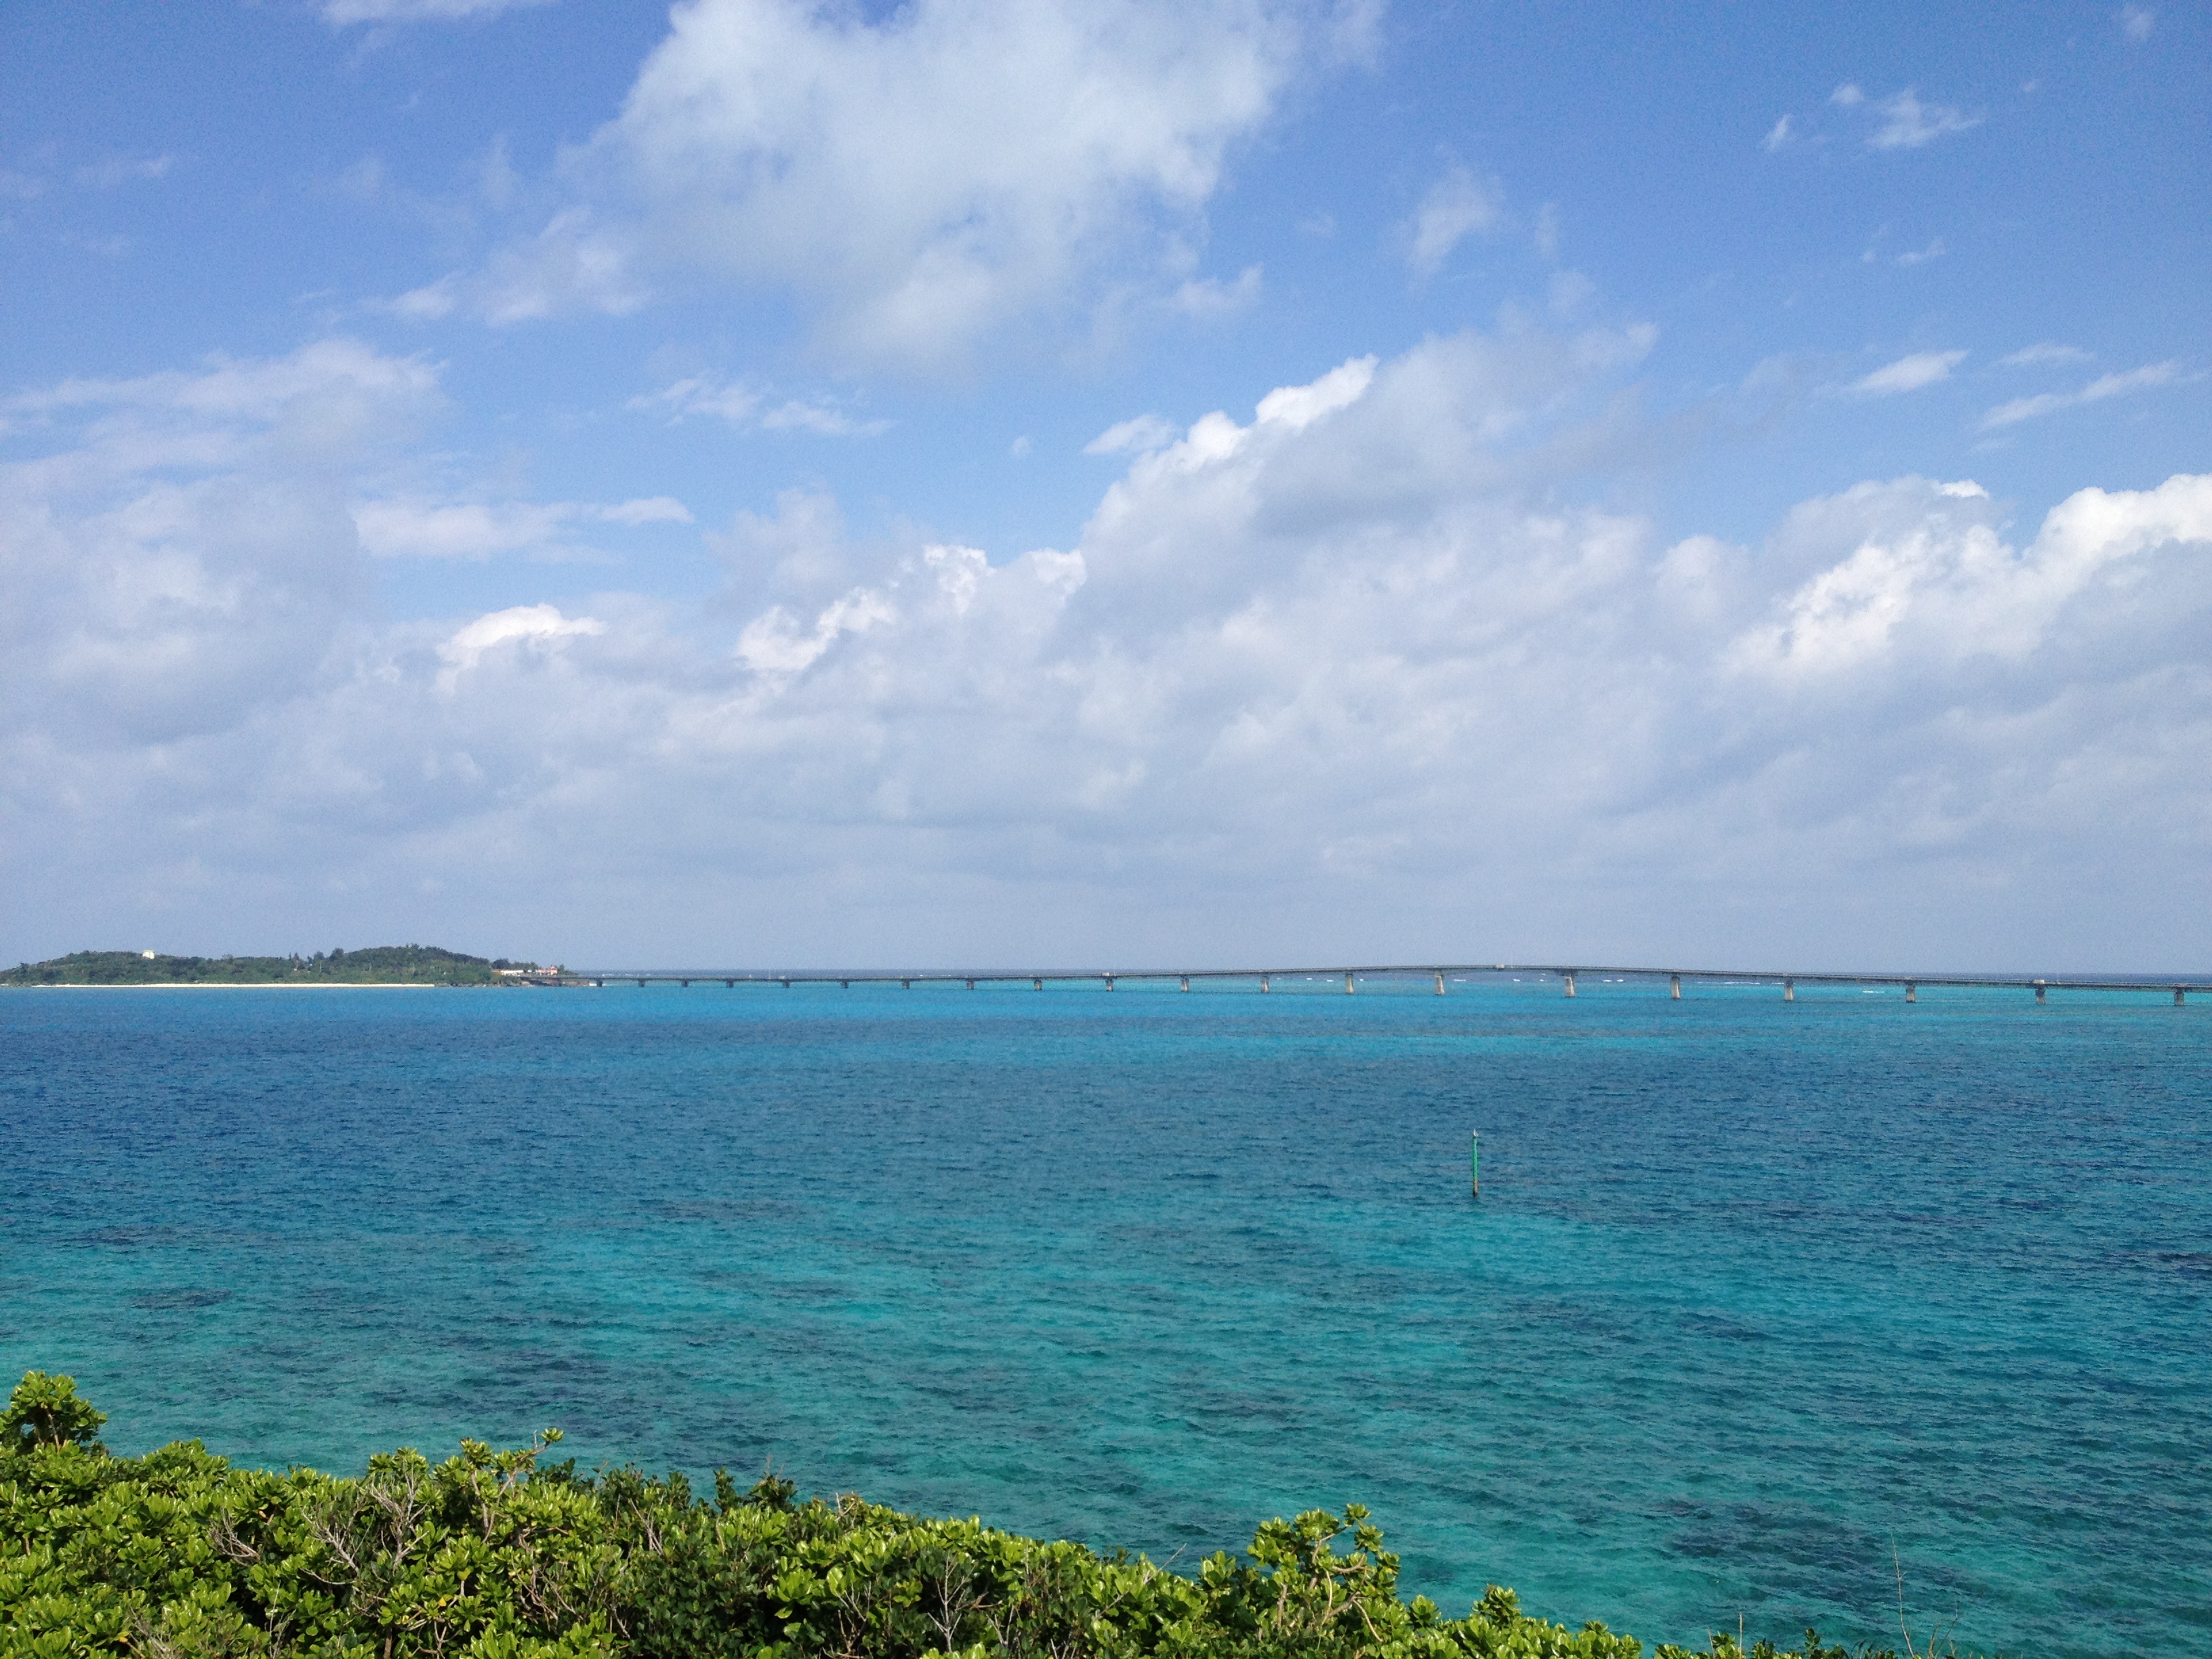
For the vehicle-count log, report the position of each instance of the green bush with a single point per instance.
(504, 1555)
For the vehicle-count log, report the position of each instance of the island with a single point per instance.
(382, 964)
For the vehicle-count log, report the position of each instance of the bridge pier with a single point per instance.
(1569, 978)
(1110, 982)
(1185, 981)
(641, 985)
(785, 983)
(844, 984)
(1036, 985)
(1440, 982)
(685, 983)
(971, 984)
(1790, 990)
(1911, 992)
(1674, 987)
(906, 985)
(2180, 995)
(1348, 984)
(2040, 987)
(1263, 982)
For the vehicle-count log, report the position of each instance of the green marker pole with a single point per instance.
(1475, 1159)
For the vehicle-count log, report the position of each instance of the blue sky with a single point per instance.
(768, 483)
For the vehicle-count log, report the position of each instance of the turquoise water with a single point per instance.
(1755, 1295)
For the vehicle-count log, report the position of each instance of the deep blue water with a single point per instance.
(1755, 1295)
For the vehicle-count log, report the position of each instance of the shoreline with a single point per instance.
(256, 985)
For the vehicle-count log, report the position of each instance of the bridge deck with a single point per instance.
(1566, 973)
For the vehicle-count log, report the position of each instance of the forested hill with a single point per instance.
(383, 964)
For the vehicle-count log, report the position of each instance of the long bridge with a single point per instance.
(1441, 974)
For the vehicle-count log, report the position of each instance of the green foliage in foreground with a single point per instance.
(383, 964)
(499, 1555)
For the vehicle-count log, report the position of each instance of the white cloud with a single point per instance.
(181, 555)
(1141, 434)
(1546, 236)
(1208, 296)
(1908, 124)
(1944, 591)
(1847, 96)
(794, 415)
(1921, 256)
(123, 170)
(1909, 373)
(806, 148)
(2134, 380)
(774, 644)
(1777, 136)
(2137, 22)
(531, 628)
(701, 394)
(1457, 206)
(574, 263)
(1294, 657)
(646, 509)
(328, 392)
(1297, 407)
(402, 527)
(2045, 351)
(340, 12)
(756, 410)
(2105, 385)
(466, 530)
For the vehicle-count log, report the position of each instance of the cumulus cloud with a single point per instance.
(183, 555)
(1777, 136)
(1368, 666)
(1909, 373)
(2137, 22)
(2105, 385)
(1937, 582)
(805, 147)
(535, 627)
(1457, 206)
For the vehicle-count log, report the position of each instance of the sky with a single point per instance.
(1008, 483)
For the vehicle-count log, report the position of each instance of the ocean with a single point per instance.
(1765, 1307)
